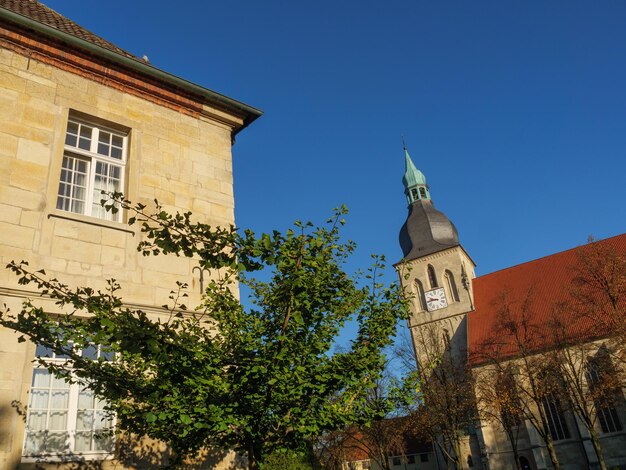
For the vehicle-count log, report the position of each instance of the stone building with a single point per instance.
(470, 319)
(401, 449)
(79, 115)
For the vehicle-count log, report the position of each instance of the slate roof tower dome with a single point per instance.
(426, 229)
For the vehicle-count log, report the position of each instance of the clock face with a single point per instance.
(436, 299)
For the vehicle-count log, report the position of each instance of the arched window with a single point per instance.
(432, 278)
(524, 463)
(421, 300)
(600, 370)
(423, 193)
(414, 194)
(555, 418)
(451, 284)
(510, 405)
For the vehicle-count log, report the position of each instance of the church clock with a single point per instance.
(436, 299)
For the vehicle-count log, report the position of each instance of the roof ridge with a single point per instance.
(577, 247)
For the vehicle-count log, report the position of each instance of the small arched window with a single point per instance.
(423, 193)
(421, 299)
(414, 194)
(432, 277)
(451, 284)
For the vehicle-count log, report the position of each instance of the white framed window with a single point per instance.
(94, 160)
(65, 418)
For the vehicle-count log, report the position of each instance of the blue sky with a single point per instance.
(514, 111)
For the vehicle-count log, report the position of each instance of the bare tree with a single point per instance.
(498, 403)
(587, 335)
(378, 439)
(599, 293)
(446, 396)
(513, 349)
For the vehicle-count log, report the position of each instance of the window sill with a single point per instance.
(120, 226)
(612, 433)
(59, 458)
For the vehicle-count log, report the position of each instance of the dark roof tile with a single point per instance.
(40, 13)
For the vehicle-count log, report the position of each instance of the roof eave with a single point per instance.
(249, 113)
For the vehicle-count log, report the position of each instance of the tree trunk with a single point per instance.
(456, 447)
(253, 463)
(596, 447)
(512, 437)
(552, 453)
(518, 465)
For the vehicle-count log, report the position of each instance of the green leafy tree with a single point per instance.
(258, 379)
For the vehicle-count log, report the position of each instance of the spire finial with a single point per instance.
(403, 143)
(415, 186)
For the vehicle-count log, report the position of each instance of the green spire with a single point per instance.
(414, 181)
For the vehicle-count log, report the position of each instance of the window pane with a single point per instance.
(84, 144)
(37, 420)
(85, 399)
(103, 149)
(83, 441)
(72, 134)
(104, 143)
(39, 399)
(99, 403)
(84, 420)
(106, 179)
(60, 382)
(57, 421)
(34, 443)
(56, 442)
(102, 421)
(71, 194)
(107, 355)
(78, 207)
(41, 378)
(90, 352)
(117, 146)
(84, 141)
(70, 140)
(72, 128)
(103, 442)
(60, 399)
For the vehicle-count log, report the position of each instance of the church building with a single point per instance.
(515, 324)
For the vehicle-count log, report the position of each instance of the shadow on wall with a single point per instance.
(130, 452)
(9, 414)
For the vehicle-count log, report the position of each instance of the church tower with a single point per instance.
(435, 270)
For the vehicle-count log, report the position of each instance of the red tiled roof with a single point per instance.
(42, 14)
(532, 292)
